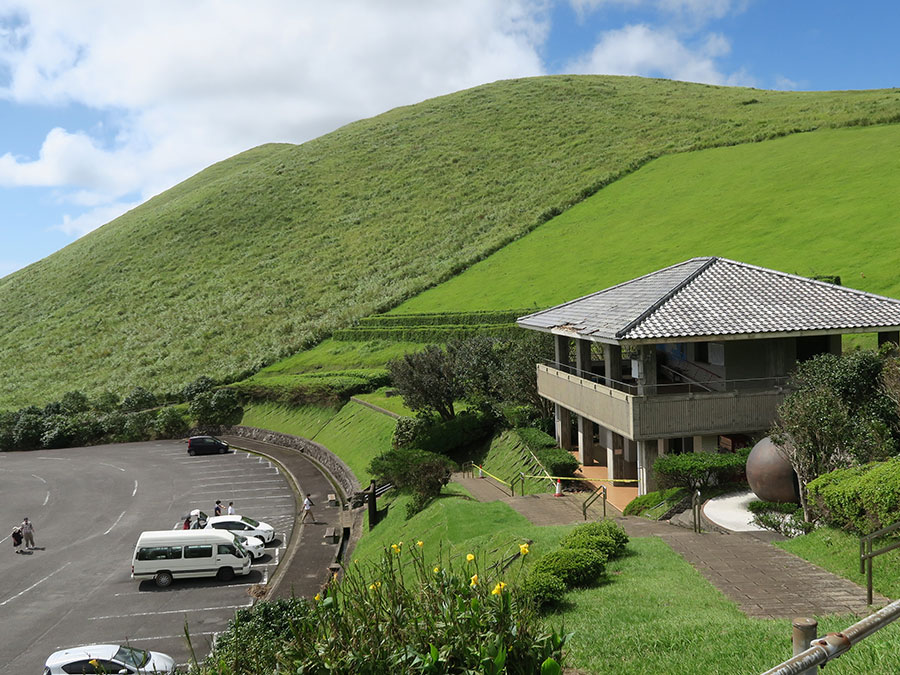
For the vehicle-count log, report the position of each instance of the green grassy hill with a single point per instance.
(269, 251)
(819, 203)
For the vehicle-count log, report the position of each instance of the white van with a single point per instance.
(174, 554)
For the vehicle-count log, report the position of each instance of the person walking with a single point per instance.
(230, 508)
(187, 523)
(307, 509)
(218, 510)
(16, 538)
(28, 533)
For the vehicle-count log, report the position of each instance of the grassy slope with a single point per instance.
(818, 203)
(256, 256)
(657, 614)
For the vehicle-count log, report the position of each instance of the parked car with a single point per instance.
(242, 525)
(206, 445)
(253, 545)
(107, 659)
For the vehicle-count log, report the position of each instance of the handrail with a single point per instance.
(695, 510)
(594, 496)
(866, 554)
(834, 645)
(517, 479)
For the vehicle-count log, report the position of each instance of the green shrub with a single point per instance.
(485, 317)
(594, 542)
(543, 589)
(574, 566)
(535, 439)
(697, 470)
(443, 436)
(605, 529)
(758, 506)
(860, 499)
(670, 496)
(425, 334)
(170, 423)
(558, 462)
(419, 472)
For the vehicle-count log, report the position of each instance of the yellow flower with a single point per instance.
(437, 570)
(375, 585)
(474, 580)
(523, 549)
(396, 547)
(470, 557)
(498, 589)
(420, 544)
(317, 598)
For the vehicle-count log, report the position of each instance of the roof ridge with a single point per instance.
(611, 288)
(672, 291)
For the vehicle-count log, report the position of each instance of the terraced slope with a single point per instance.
(269, 251)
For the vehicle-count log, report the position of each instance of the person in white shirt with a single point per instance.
(230, 508)
(307, 509)
(28, 533)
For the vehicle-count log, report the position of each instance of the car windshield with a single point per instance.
(239, 545)
(132, 656)
(250, 521)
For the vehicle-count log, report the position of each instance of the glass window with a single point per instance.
(228, 549)
(132, 655)
(159, 553)
(198, 551)
(250, 522)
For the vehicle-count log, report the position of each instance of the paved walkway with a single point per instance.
(764, 580)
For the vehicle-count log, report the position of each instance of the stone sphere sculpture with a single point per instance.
(770, 475)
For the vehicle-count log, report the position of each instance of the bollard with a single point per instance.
(558, 492)
(803, 633)
(480, 473)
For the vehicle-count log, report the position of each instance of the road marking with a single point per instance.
(34, 475)
(204, 501)
(232, 491)
(114, 524)
(37, 583)
(243, 482)
(134, 639)
(46, 499)
(171, 611)
(113, 466)
(61, 459)
(135, 488)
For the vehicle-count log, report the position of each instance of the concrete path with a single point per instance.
(764, 580)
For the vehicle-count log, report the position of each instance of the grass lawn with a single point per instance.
(382, 400)
(659, 615)
(838, 552)
(335, 355)
(305, 421)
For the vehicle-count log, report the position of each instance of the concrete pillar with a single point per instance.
(647, 380)
(561, 347)
(706, 443)
(889, 336)
(647, 452)
(661, 447)
(612, 360)
(834, 345)
(583, 358)
(563, 423)
(585, 440)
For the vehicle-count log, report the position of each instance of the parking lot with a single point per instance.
(88, 506)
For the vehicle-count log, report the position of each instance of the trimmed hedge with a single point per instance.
(329, 388)
(574, 566)
(555, 460)
(697, 470)
(638, 505)
(444, 318)
(606, 536)
(861, 499)
(543, 589)
(426, 334)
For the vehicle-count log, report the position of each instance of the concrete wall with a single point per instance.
(752, 359)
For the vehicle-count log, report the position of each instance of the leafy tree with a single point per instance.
(29, 429)
(200, 385)
(170, 423)
(74, 402)
(8, 421)
(412, 470)
(478, 368)
(838, 414)
(60, 431)
(427, 381)
(138, 399)
(106, 402)
(519, 360)
(216, 408)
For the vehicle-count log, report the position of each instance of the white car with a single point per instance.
(242, 525)
(253, 545)
(107, 659)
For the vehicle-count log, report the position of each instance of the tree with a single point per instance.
(218, 408)
(427, 381)
(477, 364)
(170, 423)
(198, 386)
(138, 399)
(519, 362)
(837, 415)
(419, 472)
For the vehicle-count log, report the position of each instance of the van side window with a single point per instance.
(229, 549)
(159, 553)
(198, 551)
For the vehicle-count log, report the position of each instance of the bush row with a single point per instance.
(638, 505)
(486, 317)
(554, 459)
(861, 499)
(443, 436)
(426, 334)
(580, 561)
(698, 470)
(330, 389)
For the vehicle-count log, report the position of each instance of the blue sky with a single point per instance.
(104, 104)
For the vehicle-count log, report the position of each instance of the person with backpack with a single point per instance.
(16, 539)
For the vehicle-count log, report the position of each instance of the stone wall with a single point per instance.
(331, 462)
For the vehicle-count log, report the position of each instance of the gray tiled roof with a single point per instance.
(709, 297)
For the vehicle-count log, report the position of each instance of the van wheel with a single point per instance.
(163, 579)
(192, 452)
(225, 574)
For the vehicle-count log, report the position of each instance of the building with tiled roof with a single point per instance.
(693, 357)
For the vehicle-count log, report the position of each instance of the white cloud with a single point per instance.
(698, 11)
(191, 83)
(9, 266)
(642, 50)
(91, 220)
(785, 83)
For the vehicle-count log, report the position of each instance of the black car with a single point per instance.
(206, 445)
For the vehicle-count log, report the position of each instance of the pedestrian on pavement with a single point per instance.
(307, 509)
(218, 510)
(230, 508)
(17, 539)
(28, 533)
(187, 523)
